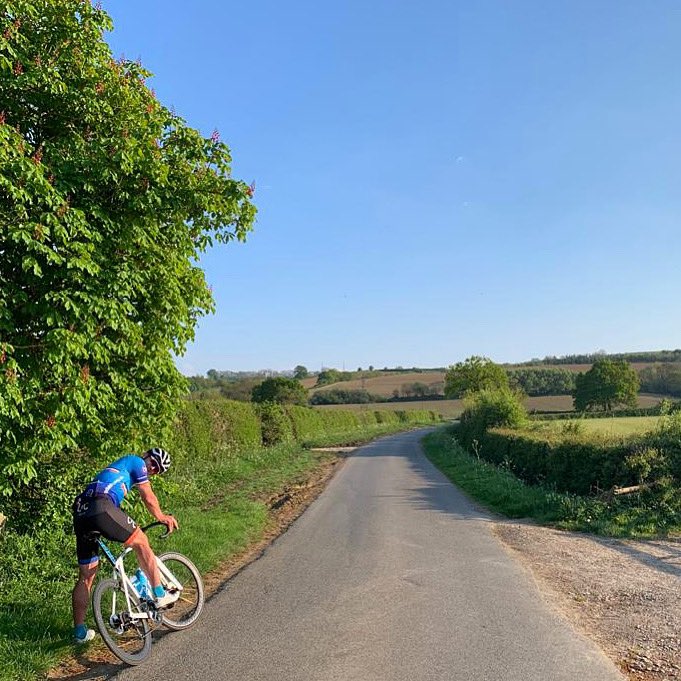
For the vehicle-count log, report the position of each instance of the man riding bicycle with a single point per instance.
(98, 509)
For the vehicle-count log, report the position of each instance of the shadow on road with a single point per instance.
(437, 493)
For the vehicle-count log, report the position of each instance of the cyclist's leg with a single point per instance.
(117, 525)
(87, 551)
(80, 596)
(145, 556)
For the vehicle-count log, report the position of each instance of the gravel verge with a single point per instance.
(624, 594)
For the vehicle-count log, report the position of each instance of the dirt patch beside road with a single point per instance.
(624, 594)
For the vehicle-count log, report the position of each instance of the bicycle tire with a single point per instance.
(134, 635)
(186, 610)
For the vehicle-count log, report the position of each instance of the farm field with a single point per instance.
(451, 409)
(385, 384)
(564, 402)
(626, 425)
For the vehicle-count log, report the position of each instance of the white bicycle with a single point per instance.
(126, 614)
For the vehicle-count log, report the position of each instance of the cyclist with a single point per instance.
(98, 508)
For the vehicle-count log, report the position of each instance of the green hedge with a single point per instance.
(309, 424)
(210, 428)
(204, 430)
(576, 464)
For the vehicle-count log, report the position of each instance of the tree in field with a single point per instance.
(300, 372)
(280, 389)
(607, 384)
(473, 375)
(106, 200)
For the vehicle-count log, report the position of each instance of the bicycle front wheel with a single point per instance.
(128, 639)
(190, 598)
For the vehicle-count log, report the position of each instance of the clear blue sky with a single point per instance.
(435, 179)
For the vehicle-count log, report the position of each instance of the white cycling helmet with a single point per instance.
(160, 457)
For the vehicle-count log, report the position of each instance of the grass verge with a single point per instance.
(221, 505)
(648, 514)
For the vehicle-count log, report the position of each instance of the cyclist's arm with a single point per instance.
(151, 502)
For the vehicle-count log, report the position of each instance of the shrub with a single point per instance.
(474, 375)
(275, 423)
(280, 389)
(646, 464)
(575, 464)
(491, 408)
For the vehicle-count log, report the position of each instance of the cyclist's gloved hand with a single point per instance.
(170, 522)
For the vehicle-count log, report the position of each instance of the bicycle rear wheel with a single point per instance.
(128, 639)
(189, 604)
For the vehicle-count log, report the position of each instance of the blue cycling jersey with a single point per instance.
(116, 479)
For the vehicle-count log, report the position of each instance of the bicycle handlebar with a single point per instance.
(155, 524)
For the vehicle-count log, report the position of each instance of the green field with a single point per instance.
(627, 425)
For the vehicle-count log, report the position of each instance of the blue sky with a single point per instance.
(434, 179)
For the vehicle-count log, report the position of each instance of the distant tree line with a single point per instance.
(664, 379)
(649, 356)
(408, 392)
(539, 382)
(329, 376)
(281, 390)
(232, 385)
(341, 396)
(418, 390)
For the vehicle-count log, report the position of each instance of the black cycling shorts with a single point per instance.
(101, 514)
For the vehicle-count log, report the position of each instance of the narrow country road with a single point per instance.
(390, 575)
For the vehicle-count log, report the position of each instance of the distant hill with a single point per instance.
(386, 383)
(402, 382)
(423, 382)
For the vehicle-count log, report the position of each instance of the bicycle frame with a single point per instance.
(128, 589)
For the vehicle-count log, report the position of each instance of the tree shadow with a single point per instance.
(644, 551)
(437, 493)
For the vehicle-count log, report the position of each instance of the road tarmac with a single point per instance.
(392, 574)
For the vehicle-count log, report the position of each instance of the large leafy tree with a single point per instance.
(280, 389)
(607, 384)
(106, 200)
(300, 372)
(473, 375)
